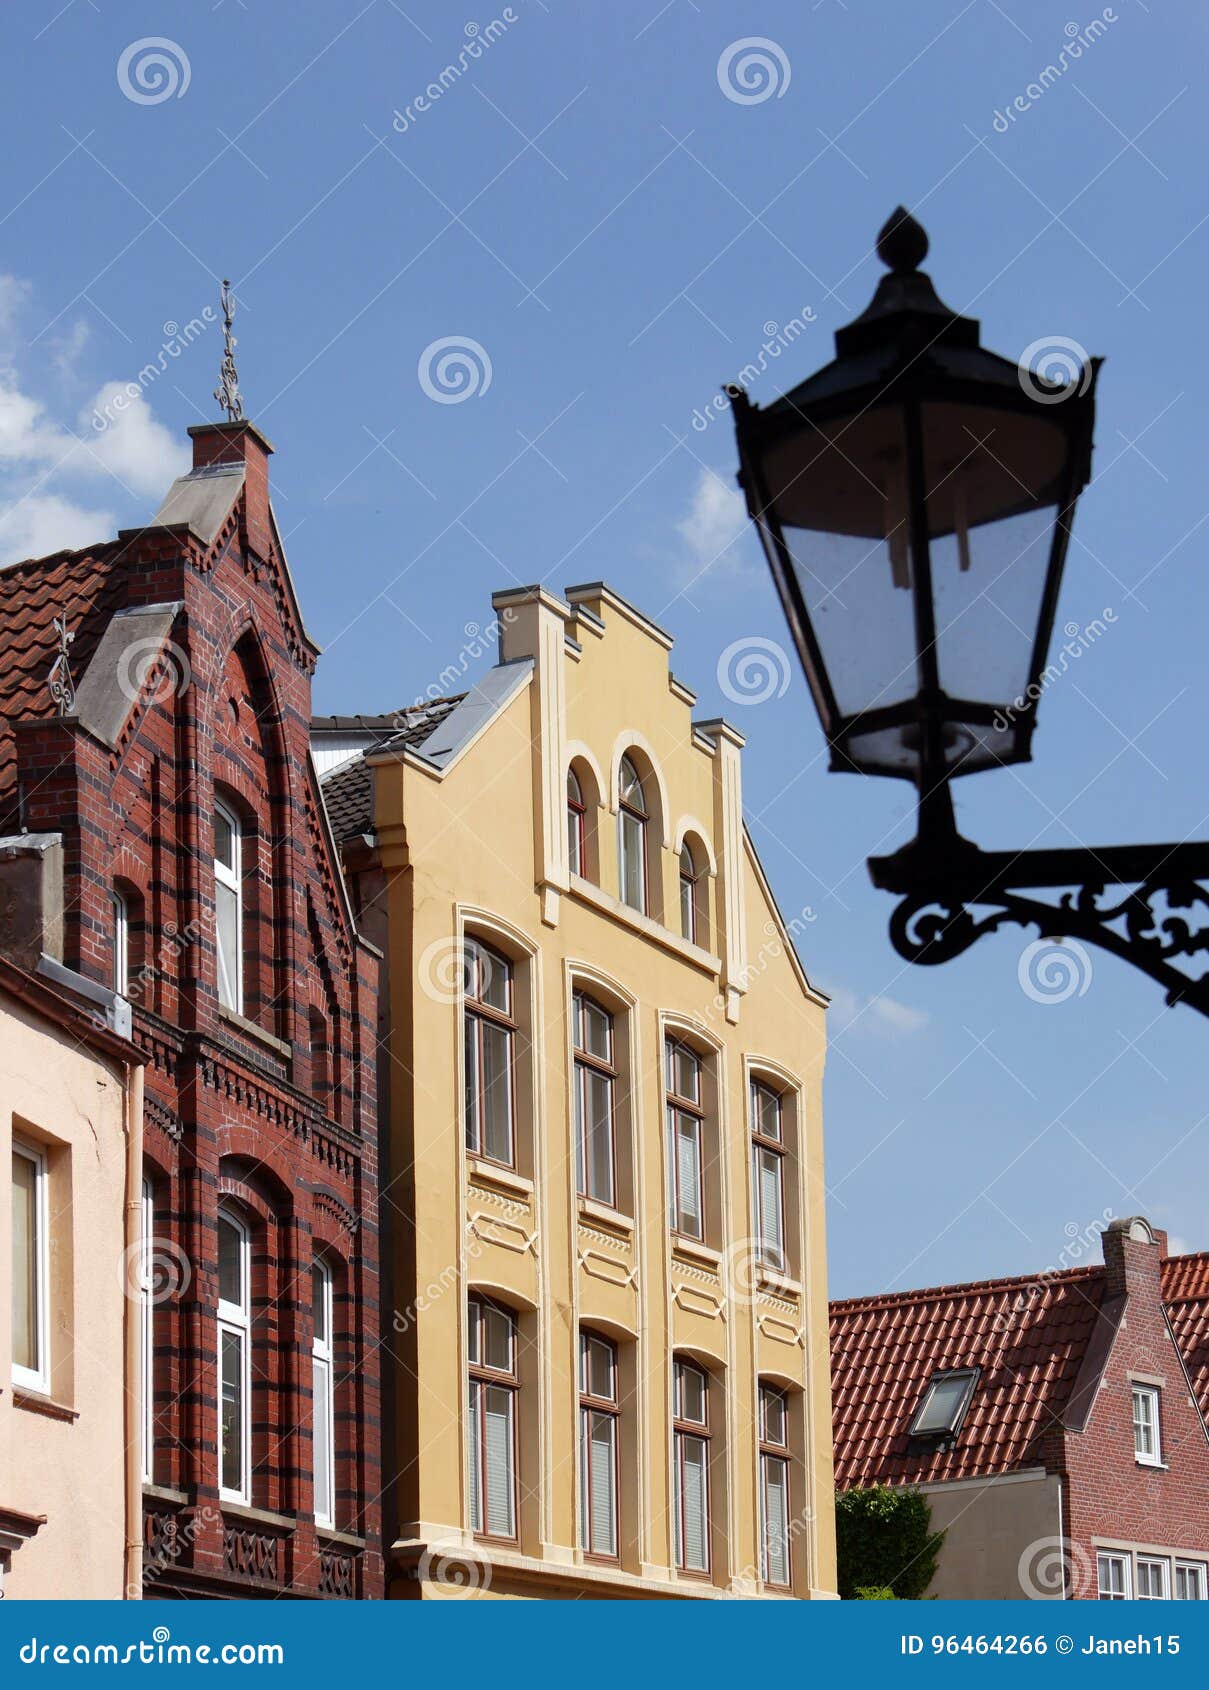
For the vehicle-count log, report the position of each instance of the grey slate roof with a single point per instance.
(348, 790)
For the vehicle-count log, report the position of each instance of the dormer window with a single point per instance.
(945, 1402)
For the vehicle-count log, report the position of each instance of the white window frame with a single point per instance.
(233, 880)
(147, 1331)
(1126, 1566)
(1151, 1395)
(236, 1319)
(38, 1378)
(1151, 1562)
(1195, 1570)
(323, 1388)
(121, 942)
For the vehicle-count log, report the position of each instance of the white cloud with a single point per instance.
(716, 519)
(878, 1014)
(43, 461)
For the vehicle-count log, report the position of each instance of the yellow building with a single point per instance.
(607, 1356)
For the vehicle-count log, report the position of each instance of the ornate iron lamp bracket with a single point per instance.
(1139, 902)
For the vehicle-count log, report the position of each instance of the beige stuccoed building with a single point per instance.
(607, 1354)
(72, 1273)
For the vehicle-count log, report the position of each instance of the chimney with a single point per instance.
(1132, 1253)
(240, 443)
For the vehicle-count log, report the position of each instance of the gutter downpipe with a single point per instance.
(132, 1333)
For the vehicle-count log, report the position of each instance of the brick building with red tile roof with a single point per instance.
(1056, 1425)
(162, 832)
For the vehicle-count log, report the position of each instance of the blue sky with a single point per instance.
(618, 235)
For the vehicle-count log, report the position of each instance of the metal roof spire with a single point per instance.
(227, 392)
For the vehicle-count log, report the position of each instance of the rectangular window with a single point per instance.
(685, 1123)
(491, 1419)
(690, 1473)
(31, 1270)
(1189, 1581)
(598, 1446)
(234, 1359)
(228, 907)
(767, 1176)
(1152, 1579)
(323, 1428)
(147, 1331)
(121, 944)
(1113, 1574)
(945, 1402)
(595, 1081)
(1146, 1444)
(490, 1043)
(774, 1487)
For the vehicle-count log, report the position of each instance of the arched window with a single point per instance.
(228, 906)
(234, 1357)
(768, 1175)
(121, 941)
(599, 1473)
(774, 1487)
(490, 1030)
(595, 1081)
(494, 1386)
(688, 893)
(577, 826)
(323, 1423)
(690, 1474)
(685, 1151)
(632, 819)
(147, 1330)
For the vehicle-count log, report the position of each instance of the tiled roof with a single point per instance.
(385, 725)
(84, 586)
(1186, 1298)
(348, 789)
(1029, 1338)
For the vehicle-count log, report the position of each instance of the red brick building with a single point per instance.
(165, 835)
(1056, 1425)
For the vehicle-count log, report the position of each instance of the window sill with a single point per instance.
(37, 1403)
(257, 1516)
(605, 1215)
(495, 1174)
(162, 1493)
(780, 1283)
(589, 893)
(250, 1030)
(1152, 1466)
(348, 1540)
(695, 1251)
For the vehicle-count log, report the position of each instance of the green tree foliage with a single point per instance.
(885, 1543)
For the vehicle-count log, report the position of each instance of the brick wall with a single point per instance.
(238, 1108)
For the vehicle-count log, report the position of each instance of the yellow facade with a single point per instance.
(472, 842)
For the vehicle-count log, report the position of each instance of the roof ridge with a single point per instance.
(66, 554)
(929, 1293)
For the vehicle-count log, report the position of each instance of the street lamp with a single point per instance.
(915, 499)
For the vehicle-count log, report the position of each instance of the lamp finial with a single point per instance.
(902, 244)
